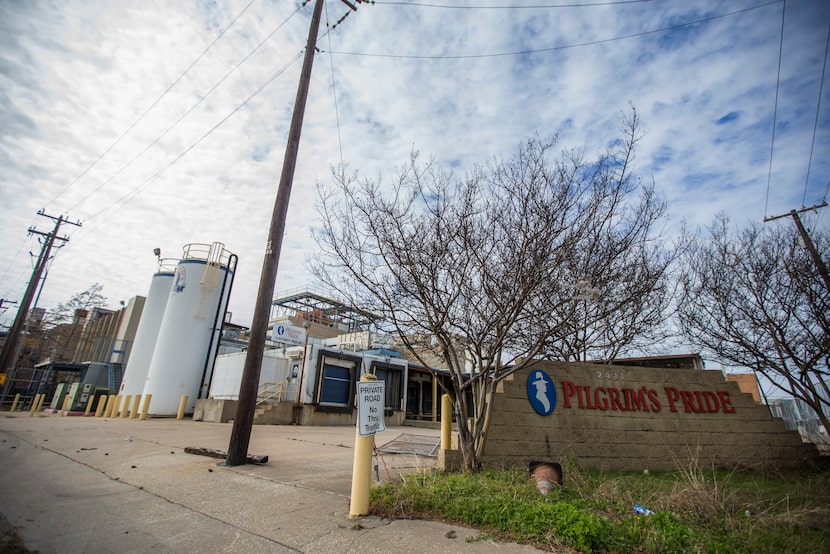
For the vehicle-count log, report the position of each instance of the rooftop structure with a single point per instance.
(317, 307)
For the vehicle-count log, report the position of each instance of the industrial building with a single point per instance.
(319, 348)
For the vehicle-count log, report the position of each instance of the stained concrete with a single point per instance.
(89, 485)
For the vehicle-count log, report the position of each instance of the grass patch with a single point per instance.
(694, 510)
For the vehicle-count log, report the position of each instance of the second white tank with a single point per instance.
(135, 374)
(192, 322)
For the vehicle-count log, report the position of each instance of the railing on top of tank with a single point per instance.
(214, 252)
(167, 265)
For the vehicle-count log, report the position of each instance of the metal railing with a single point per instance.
(269, 391)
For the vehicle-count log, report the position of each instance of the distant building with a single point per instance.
(748, 383)
(798, 416)
(677, 361)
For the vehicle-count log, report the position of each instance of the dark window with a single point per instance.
(392, 375)
(336, 376)
(336, 386)
(426, 388)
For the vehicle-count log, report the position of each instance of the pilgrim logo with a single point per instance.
(541, 393)
(179, 279)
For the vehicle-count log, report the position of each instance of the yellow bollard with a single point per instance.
(146, 407)
(110, 406)
(117, 408)
(446, 422)
(40, 403)
(362, 470)
(361, 475)
(125, 411)
(182, 406)
(102, 404)
(65, 407)
(35, 402)
(89, 404)
(16, 401)
(134, 411)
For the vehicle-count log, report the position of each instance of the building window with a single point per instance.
(336, 385)
(392, 375)
(336, 378)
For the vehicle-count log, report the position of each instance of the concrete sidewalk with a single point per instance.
(89, 485)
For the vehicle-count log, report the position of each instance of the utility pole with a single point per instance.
(7, 358)
(242, 423)
(808, 243)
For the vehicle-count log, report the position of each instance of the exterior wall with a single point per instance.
(227, 373)
(747, 383)
(127, 328)
(216, 411)
(108, 336)
(679, 415)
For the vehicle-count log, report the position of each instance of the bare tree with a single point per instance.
(64, 324)
(755, 298)
(625, 292)
(479, 267)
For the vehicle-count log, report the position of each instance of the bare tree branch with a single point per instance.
(481, 268)
(755, 298)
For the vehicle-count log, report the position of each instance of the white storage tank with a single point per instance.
(135, 374)
(189, 332)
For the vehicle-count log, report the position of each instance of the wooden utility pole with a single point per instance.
(242, 423)
(808, 243)
(7, 358)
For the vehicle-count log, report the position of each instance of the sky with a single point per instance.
(159, 124)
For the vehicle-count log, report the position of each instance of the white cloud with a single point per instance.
(75, 76)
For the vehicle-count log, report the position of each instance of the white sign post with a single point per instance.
(370, 397)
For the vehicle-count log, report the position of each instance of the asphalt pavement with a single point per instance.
(96, 485)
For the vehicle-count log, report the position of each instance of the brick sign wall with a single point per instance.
(620, 417)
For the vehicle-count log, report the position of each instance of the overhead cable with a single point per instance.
(815, 123)
(563, 47)
(149, 109)
(509, 7)
(201, 99)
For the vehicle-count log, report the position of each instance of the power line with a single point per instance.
(14, 258)
(815, 123)
(564, 47)
(11, 264)
(775, 107)
(153, 105)
(186, 113)
(334, 88)
(125, 199)
(507, 7)
(8, 356)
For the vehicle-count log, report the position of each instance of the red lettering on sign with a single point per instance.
(726, 402)
(711, 401)
(636, 401)
(569, 389)
(614, 397)
(601, 403)
(689, 402)
(674, 395)
(588, 399)
(645, 400)
(655, 402)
